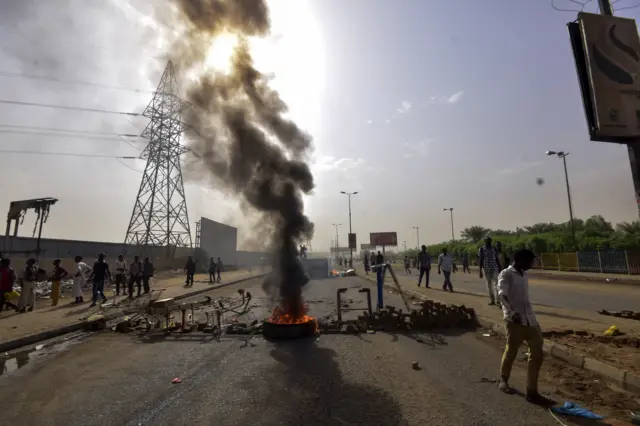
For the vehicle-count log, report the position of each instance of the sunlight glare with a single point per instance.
(221, 52)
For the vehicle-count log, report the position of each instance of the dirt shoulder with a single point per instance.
(622, 353)
(45, 317)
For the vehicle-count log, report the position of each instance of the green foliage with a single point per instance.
(594, 233)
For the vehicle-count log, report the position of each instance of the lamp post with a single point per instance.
(453, 238)
(563, 156)
(417, 228)
(337, 225)
(349, 194)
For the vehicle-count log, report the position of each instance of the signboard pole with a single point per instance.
(632, 148)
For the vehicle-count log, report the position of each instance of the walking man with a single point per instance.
(447, 265)
(407, 265)
(489, 267)
(135, 276)
(79, 279)
(367, 265)
(190, 270)
(212, 271)
(465, 262)
(424, 265)
(28, 286)
(219, 267)
(522, 326)
(147, 274)
(58, 274)
(99, 274)
(7, 278)
(503, 259)
(121, 275)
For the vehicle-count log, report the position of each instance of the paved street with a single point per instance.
(337, 379)
(589, 296)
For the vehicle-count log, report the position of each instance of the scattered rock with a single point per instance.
(415, 365)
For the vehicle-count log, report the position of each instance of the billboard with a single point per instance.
(383, 239)
(352, 242)
(606, 50)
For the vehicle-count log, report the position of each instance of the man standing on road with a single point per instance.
(503, 259)
(446, 265)
(190, 270)
(28, 286)
(212, 271)
(7, 278)
(82, 270)
(465, 262)
(135, 275)
(522, 326)
(147, 273)
(489, 265)
(100, 274)
(121, 275)
(219, 267)
(424, 265)
(58, 274)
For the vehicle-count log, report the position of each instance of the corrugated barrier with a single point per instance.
(606, 261)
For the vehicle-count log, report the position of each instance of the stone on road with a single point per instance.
(333, 380)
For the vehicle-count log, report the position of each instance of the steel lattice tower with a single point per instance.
(159, 216)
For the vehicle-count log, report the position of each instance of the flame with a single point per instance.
(279, 316)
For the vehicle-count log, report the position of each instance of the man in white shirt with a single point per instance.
(446, 265)
(121, 275)
(521, 323)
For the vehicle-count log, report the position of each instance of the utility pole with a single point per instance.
(634, 152)
(453, 238)
(337, 243)
(417, 228)
(349, 194)
(563, 155)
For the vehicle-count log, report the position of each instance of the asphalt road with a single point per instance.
(589, 296)
(122, 379)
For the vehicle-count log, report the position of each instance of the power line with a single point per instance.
(62, 135)
(35, 104)
(55, 129)
(69, 154)
(79, 82)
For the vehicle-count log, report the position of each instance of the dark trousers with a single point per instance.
(425, 272)
(120, 281)
(447, 281)
(138, 281)
(465, 268)
(98, 290)
(219, 277)
(212, 276)
(189, 280)
(145, 284)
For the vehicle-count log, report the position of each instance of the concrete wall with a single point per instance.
(219, 240)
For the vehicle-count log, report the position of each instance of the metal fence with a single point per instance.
(608, 261)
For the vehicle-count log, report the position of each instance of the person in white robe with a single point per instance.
(79, 279)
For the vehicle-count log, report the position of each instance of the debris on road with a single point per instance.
(621, 314)
(415, 365)
(176, 380)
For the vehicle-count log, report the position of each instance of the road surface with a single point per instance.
(589, 296)
(121, 379)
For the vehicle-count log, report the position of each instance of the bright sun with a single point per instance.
(220, 52)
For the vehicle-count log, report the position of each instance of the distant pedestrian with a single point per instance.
(58, 274)
(147, 273)
(28, 286)
(121, 275)
(380, 258)
(489, 267)
(219, 268)
(522, 325)
(503, 258)
(7, 279)
(212, 270)
(367, 264)
(99, 274)
(135, 276)
(190, 270)
(424, 266)
(407, 265)
(79, 278)
(465, 262)
(446, 265)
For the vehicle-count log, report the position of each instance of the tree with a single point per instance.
(541, 228)
(596, 226)
(629, 227)
(474, 233)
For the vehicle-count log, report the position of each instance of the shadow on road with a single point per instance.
(313, 379)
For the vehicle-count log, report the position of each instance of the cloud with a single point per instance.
(418, 149)
(369, 121)
(405, 107)
(455, 98)
(328, 163)
(519, 167)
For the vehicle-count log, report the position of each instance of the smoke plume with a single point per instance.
(240, 131)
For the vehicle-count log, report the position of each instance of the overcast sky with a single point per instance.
(417, 105)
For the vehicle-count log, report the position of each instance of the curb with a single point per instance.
(623, 378)
(60, 331)
(601, 279)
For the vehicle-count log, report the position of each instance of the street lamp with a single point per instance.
(417, 228)
(453, 238)
(349, 194)
(337, 244)
(563, 155)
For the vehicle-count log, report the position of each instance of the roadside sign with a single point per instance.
(352, 242)
(383, 239)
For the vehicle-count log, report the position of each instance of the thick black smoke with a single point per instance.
(243, 136)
